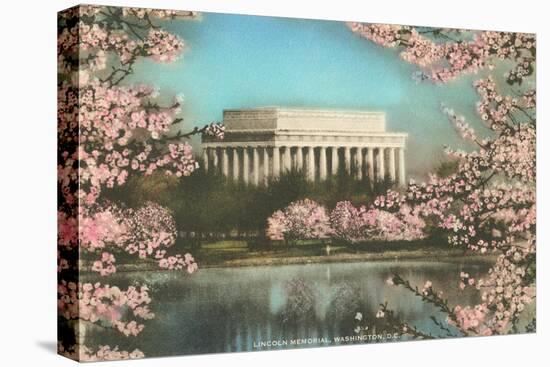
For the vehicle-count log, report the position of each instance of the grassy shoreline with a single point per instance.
(228, 254)
(348, 258)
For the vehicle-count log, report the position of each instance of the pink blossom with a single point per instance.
(445, 61)
(304, 219)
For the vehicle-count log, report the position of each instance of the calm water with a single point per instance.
(235, 309)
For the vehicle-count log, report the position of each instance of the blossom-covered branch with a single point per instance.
(444, 54)
(388, 321)
(488, 204)
(126, 33)
(108, 131)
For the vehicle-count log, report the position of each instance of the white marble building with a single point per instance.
(263, 142)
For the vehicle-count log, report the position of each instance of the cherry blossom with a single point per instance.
(103, 353)
(300, 220)
(120, 130)
(489, 204)
(353, 224)
(108, 131)
(127, 33)
(215, 129)
(308, 220)
(448, 53)
(102, 303)
(106, 264)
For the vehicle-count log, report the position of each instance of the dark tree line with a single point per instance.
(206, 203)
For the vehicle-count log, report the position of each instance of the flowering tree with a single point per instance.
(109, 130)
(305, 219)
(488, 204)
(353, 224)
(300, 220)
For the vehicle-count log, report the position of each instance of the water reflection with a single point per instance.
(240, 309)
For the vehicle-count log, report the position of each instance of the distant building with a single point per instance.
(261, 143)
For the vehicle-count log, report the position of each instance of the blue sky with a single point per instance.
(235, 61)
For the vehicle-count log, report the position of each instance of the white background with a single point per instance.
(28, 181)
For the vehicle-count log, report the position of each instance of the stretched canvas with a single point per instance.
(235, 183)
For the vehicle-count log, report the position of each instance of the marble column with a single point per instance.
(402, 178)
(381, 168)
(225, 162)
(310, 164)
(358, 164)
(266, 166)
(255, 166)
(323, 163)
(335, 160)
(276, 162)
(392, 164)
(205, 159)
(246, 165)
(299, 159)
(287, 159)
(215, 158)
(347, 159)
(370, 164)
(236, 164)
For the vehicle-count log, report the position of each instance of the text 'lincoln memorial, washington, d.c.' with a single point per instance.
(261, 143)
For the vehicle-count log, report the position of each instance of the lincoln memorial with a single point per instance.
(261, 143)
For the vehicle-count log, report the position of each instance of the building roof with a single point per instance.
(303, 119)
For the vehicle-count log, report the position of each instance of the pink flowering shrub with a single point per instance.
(306, 219)
(353, 224)
(488, 205)
(276, 226)
(301, 220)
(100, 228)
(402, 225)
(148, 232)
(150, 228)
(108, 131)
